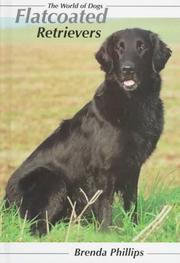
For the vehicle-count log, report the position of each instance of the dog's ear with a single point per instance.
(161, 53)
(104, 55)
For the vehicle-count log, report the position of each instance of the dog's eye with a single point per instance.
(121, 46)
(140, 46)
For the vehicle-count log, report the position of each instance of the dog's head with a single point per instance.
(132, 54)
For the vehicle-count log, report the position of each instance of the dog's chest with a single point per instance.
(114, 146)
(105, 147)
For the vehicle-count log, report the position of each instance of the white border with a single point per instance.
(146, 8)
(64, 252)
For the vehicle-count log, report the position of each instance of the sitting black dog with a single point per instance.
(105, 144)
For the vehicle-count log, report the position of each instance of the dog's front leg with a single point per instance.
(129, 191)
(104, 206)
(104, 213)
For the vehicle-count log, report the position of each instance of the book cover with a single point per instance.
(89, 103)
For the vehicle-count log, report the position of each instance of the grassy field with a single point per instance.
(36, 94)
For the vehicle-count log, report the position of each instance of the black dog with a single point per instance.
(105, 144)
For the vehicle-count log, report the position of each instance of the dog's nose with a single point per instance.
(128, 68)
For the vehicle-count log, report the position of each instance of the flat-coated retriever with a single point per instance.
(105, 144)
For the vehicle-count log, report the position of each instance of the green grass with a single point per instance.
(15, 229)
